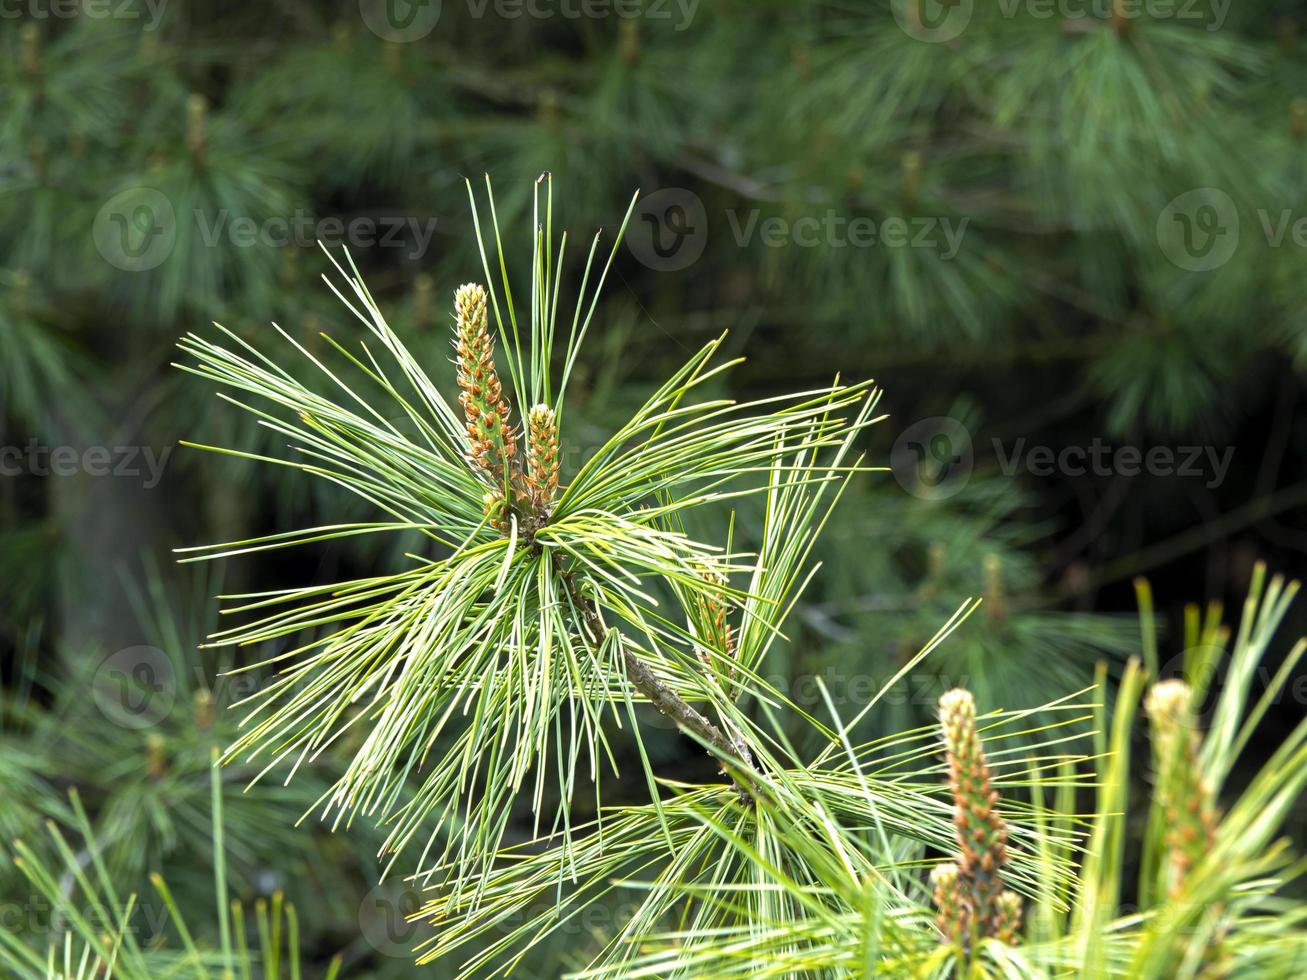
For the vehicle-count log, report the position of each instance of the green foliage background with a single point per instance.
(1085, 161)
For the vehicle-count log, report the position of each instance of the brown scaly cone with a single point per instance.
(991, 910)
(485, 411)
(542, 459)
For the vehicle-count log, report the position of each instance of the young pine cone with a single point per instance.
(1186, 798)
(981, 833)
(542, 457)
(490, 434)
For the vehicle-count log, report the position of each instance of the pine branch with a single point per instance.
(734, 754)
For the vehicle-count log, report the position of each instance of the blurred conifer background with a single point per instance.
(1069, 238)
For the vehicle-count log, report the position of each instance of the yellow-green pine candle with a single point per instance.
(951, 914)
(542, 457)
(981, 833)
(1007, 917)
(1185, 797)
(496, 509)
(492, 443)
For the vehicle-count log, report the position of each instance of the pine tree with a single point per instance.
(1105, 203)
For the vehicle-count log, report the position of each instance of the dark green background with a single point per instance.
(1120, 184)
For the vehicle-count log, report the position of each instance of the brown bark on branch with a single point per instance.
(734, 755)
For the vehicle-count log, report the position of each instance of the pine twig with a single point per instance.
(737, 760)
